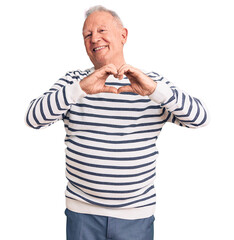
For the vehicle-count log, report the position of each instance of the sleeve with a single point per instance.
(53, 104)
(181, 108)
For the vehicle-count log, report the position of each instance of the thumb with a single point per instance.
(109, 89)
(127, 88)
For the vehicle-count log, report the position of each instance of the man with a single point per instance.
(113, 114)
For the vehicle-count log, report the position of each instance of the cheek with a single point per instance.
(117, 39)
(106, 39)
(87, 46)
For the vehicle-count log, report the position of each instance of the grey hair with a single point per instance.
(100, 8)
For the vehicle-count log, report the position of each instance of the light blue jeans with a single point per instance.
(93, 227)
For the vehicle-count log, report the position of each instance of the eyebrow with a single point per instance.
(85, 31)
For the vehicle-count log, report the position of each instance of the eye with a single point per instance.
(102, 30)
(88, 35)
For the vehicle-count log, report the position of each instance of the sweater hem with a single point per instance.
(126, 213)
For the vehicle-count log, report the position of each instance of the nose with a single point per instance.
(95, 38)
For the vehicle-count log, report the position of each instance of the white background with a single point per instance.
(188, 42)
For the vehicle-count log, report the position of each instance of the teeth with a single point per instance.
(95, 49)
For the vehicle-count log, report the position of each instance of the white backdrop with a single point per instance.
(188, 42)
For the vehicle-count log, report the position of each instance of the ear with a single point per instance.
(124, 35)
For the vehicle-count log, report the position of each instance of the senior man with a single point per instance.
(113, 114)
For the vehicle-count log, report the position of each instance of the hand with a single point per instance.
(140, 82)
(95, 82)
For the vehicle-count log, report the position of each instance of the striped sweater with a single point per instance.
(111, 140)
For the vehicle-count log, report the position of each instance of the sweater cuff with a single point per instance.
(162, 93)
(74, 92)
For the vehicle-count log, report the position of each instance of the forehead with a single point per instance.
(97, 19)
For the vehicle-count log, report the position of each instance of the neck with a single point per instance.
(118, 63)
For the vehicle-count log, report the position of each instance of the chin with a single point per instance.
(100, 62)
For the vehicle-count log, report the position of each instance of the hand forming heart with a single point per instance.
(140, 83)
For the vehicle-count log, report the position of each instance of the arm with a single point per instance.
(50, 107)
(182, 109)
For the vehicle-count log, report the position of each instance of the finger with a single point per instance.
(119, 75)
(127, 88)
(125, 70)
(110, 89)
(111, 69)
(123, 67)
(107, 70)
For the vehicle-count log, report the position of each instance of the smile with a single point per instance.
(99, 48)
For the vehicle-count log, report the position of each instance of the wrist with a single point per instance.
(153, 88)
(82, 86)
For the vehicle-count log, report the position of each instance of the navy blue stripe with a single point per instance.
(114, 142)
(197, 114)
(110, 183)
(152, 76)
(128, 93)
(110, 205)
(116, 84)
(34, 112)
(109, 167)
(189, 110)
(33, 101)
(58, 84)
(106, 133)
(113, 198)
(170, 100)
(150, 204)
(173, 119)
(115, 134)
(77, 77)
(205, 115)
(65, 98)
(51, 90)
(102, 190)
(65, 80)
(117, 199)
(109, 175)
(82, 73)
(118, 109)
(124, 84)
(182, 104)
(202, 122)
(49, 106)
(118, 117)
(117, 100)
(35, 118)
(176, 94)
(152, 72)
(160, 79)
(112, 125)
(27, 117)
(112, 158)
(43, 114)
(57, 102)
(110, 149)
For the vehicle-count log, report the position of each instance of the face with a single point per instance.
(104, 39)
